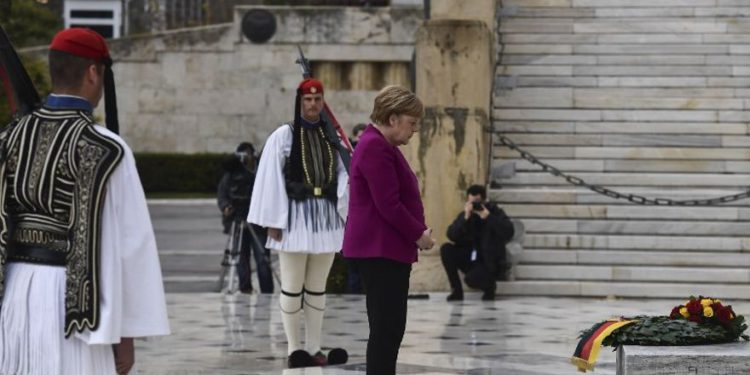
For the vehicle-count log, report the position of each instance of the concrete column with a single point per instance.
(482, 10)
(396, 73)
(329, 73)
(362, 76)
(452, 150)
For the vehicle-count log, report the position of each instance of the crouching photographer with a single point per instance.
(233, 196)
(478, 236)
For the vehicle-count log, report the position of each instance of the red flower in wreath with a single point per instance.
(675, 314)
(694, 307)
(725, 315)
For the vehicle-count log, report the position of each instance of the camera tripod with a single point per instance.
(228, 277)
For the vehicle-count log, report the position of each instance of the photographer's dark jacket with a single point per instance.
(487, 236)
(235, 189)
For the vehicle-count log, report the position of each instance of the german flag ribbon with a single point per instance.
(588, 348)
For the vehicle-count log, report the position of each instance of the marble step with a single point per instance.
(188, 262)
(637, 242)
(679, 166)
(624, 127)
(701, 274)
(631, 179)
(651, 258)
(615, 212)
(632, 153)
(633, 64)
(638, 227)
(622, 289)
(572, 195)
(626, 115)
(653, 139)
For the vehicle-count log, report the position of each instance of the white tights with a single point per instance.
(303, 285)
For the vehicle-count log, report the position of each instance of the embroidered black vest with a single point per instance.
(310, 169)
(54, 168)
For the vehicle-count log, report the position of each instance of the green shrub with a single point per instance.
(180, 173)
(337, 278)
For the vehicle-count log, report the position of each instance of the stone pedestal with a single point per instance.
(723, 359)
(451, 151)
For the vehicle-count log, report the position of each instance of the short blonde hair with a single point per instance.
(395, 100)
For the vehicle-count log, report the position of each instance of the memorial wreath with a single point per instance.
(700, 321)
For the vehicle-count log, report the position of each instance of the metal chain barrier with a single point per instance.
(634, 198)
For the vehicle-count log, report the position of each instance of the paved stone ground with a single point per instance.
(242, 334)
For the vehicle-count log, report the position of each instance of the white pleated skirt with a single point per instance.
(315, 227)
(32, 317)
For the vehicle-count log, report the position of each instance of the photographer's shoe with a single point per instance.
(456, 296)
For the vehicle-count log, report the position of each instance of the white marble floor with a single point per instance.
(240, 334)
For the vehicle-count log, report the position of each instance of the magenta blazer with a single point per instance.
(386, 217)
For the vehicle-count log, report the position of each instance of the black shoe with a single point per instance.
(337, 356)
(455, 296)
(299, 358)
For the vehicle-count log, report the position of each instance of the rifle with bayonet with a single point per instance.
(17, 85)
(333, 128)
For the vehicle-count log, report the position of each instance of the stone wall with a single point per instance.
(206, 89)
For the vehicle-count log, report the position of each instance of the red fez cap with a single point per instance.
(310, 86)
(81, 42)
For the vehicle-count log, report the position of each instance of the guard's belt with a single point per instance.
(37, 255)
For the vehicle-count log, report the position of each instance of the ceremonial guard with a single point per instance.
(301, 197)
(78, 261)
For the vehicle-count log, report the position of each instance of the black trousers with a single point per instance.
(455, 259)
(387, 287)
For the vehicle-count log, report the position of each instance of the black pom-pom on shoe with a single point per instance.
(299, 358)
(337, 356)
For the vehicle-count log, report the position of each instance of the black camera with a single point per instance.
(477, 206)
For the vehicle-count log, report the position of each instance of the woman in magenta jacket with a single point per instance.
(386, 222)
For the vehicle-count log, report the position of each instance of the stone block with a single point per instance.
(649, 38)
(536, 26)
(674, 153)
(536, 70)
(547, 114)
(542, 152)
(728, 82)
(562, 164)
(670, 166)
(551, 38)
(534, 98)
(643, 12)
(582, 101)
(661, 128)
(548, 12)
(643, 3)
(726, 38)
(537, 3)
(556, 81)
(539, 288)
(653, 81)
(651, 258)
(534, 127)
(641, 60)
(727, 359)
(650, 49)
(558, 139)
(659, 26)
(547, 60)
(635, 242)
(643, 71)
(646, 115)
